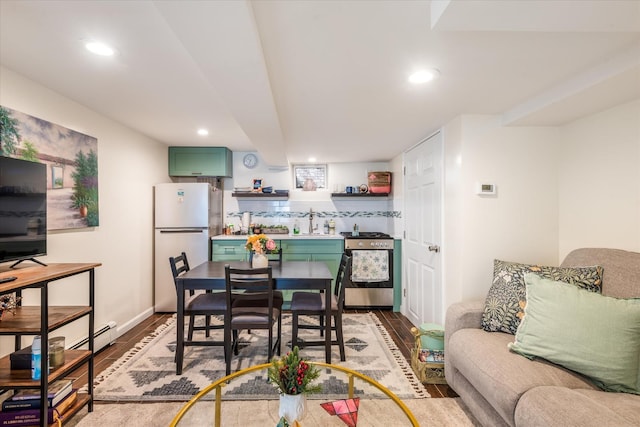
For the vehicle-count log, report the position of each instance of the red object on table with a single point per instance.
(346, 409)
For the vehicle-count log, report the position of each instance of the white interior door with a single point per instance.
(422, 253)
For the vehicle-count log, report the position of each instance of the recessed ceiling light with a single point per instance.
(423, 76)
(99, 48)
(203, 132)
(311, 159)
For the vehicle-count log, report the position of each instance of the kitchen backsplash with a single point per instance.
(369, 215)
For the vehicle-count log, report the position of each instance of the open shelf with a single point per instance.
(252, 195)
(21, 378)
(359, 195)
(26, 320)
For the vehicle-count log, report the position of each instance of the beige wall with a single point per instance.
(129, 164)
(559, 188)
(519, 223)
(599, 181)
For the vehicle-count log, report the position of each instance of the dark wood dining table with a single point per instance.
(290, 275)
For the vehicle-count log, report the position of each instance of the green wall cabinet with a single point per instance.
(200, 161)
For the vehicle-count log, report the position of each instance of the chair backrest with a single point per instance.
(273, 257)
(344, 271)
(179, 265)
(252, 287)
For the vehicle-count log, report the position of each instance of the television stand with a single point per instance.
(28, 259)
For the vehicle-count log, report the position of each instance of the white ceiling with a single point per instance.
(293, 79)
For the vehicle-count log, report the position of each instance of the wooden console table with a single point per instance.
(40, 320)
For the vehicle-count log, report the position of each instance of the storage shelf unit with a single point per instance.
(41, 320)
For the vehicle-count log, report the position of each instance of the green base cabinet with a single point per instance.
(200, 161)
(327, 251)
(229, 250)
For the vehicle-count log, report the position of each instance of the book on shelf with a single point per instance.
(31, 417)
(56, 389)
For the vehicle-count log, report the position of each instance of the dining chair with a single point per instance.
(204, 304)
(313, 304)
(251, 305)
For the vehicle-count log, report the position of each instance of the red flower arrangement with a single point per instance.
(292, 375)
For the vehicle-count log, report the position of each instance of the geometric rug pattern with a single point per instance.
(147, 372)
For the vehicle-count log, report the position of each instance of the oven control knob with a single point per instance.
(360, 244)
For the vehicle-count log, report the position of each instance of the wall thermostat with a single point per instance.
(485, 189)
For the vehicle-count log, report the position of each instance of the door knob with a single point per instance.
(434, 248)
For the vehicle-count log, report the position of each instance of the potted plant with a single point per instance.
(293, 377)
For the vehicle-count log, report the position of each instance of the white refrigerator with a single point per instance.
(185, 216)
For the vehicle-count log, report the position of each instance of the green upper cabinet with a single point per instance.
(200, 161)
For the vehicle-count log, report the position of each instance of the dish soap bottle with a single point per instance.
(36, 358)
(296, 228)
(332, 226)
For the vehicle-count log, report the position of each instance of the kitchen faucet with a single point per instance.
(310, 220)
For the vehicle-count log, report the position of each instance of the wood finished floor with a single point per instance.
(396, 324)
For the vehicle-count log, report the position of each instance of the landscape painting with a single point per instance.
(72, 166)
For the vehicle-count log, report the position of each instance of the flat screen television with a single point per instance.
(23, 210)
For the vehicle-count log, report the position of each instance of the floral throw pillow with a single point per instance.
(504, 306)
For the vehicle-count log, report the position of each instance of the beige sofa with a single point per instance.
(502, 388)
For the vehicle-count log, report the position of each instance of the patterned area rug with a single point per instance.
(147, 372)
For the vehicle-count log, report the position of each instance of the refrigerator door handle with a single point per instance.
(181, 231)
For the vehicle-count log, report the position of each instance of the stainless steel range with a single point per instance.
(371, 281)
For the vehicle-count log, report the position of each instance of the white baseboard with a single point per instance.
(126, 327)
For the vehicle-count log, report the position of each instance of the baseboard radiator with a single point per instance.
(102, 337)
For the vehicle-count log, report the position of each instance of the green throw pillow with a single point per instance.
(506, 299)
(592, 334)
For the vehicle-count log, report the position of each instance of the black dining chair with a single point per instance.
(250, 305)
(204, 304)
(313, 304)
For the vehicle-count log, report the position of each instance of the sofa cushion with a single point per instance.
(621, 277)
(499, 375)
(507, 296)
(550, 406)
(592, 334)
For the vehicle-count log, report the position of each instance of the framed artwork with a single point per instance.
(257, 184)
(310, 177)
(72, 166)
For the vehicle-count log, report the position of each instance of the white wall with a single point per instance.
(129, 164)
(519, 224)
(558, 189)
(599, 181)
(369, 214)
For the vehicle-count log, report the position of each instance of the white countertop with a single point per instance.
(281, 236)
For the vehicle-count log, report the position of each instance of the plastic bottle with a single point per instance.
(356, 230)
(35, 358)
(326, 227)
(332, 226)
(296, 228)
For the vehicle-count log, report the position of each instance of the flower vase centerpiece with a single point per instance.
(260, 245)
(292, 377)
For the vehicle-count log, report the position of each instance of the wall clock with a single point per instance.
(250, 160)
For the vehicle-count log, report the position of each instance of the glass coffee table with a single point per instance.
(210, 407)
